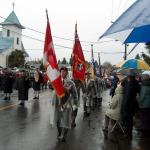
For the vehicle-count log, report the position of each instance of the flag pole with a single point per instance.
(47, 14)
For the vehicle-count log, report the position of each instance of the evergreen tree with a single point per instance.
(137, 56)
(16, 59)
(59, 62)
(146, 57)
(71, 60)
(64, 61)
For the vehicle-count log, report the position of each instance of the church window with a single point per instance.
(8, 33)
(17, 41)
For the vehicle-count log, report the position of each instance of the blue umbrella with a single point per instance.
(133, 26)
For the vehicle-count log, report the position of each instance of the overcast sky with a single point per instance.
(93, 18)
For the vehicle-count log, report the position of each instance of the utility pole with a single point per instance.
(92, 55)
(125, 52)
(99, 61)
(92, 62)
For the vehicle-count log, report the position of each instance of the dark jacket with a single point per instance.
(144, 100)
(129, 103)
(7, 83)
(22, 85)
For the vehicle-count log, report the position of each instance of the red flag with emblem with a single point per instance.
(79, 65)
(50, 62)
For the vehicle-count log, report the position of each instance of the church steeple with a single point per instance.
(12, 20)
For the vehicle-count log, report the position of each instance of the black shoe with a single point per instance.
(105, 130)
(5, 98)
(21, 104)
(63, 140)
(73, 125)
(86, 114)
(35, 98)
(60, 139)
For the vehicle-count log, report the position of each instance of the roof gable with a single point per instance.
(12, 20)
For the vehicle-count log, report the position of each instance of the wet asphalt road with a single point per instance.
(28, 129)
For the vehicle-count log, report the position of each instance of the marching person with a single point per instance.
(22, 85)
(99, 91)
(89, 95)
(36, 84)
(79, 86)
(62, 109)
(7, 83)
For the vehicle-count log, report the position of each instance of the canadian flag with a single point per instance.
(50, 63)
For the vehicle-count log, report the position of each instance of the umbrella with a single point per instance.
(146, 72)
(134, 64)
(133, 26)
(126, 71)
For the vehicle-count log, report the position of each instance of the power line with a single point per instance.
(62, 46)
(119, 8)
(67, 39)
(112, 53)
(112, 10)
(125, 4)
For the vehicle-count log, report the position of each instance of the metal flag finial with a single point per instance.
(47, 14)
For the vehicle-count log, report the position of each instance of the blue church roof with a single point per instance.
(12, 20)
(5, 43)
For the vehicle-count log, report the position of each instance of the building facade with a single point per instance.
(10, 38)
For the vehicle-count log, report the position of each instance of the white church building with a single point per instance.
(10, 38)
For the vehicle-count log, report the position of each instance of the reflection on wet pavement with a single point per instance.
(27, 128)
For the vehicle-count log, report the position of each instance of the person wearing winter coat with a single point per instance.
(90, 94)
(61, 110)
(114, 112)
(129, 103)
(22, 85)
(144, 105)
(114, 83)
(7, 83)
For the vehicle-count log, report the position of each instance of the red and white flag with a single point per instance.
(79, 65)
(50, 63)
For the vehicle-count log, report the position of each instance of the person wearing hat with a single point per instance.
(22, 85)
(64, 107)
(89, 95)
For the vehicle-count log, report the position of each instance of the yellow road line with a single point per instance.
(12, 105)
(8, 106)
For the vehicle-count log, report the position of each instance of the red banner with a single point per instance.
(79, 65)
